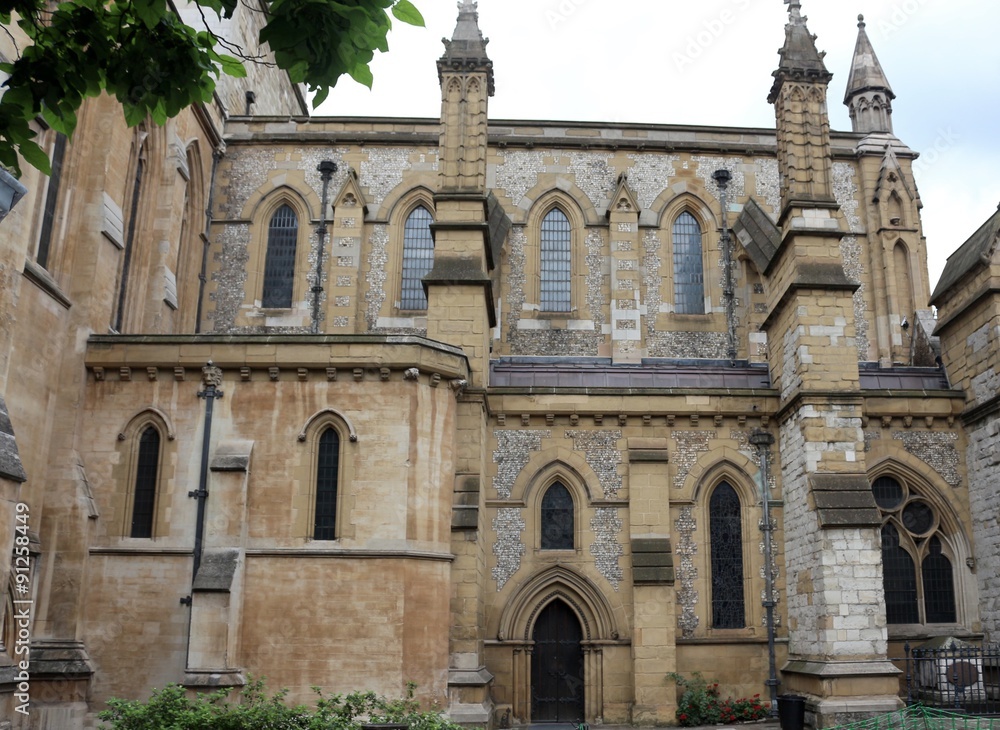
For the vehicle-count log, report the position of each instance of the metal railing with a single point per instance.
(960, 678)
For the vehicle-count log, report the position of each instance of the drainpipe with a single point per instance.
(212, 377)
(763, 441)
(326, 169)
(722, 178)
(203, 274)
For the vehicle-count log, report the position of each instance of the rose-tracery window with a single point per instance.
(918, 574)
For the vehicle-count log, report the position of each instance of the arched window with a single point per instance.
(279, 264)
(418, 258)
(689, 274)
(51, 197)
(556, 265)
(557, 518)
(726, 541)
(911, 536)
(147, 474)
(327, 481)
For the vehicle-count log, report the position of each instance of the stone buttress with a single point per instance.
(837, 629)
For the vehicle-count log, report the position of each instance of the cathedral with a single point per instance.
(532, 414)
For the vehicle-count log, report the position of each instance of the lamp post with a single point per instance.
(763, 441)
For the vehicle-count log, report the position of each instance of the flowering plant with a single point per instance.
(701, 704)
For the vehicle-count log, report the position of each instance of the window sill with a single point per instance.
(44, 281)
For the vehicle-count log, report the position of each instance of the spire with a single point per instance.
(869, 96)
(467, 47)
(799, 57)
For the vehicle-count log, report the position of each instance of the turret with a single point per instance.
(869, 96)
(466, 76)
(803, 125)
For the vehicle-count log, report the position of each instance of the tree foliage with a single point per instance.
(154, 64)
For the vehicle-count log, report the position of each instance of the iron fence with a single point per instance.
(958, 678)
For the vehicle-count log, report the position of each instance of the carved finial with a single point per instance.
(861, 22)
(795, 11)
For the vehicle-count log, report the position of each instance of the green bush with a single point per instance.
(700, 704)
(253, 709)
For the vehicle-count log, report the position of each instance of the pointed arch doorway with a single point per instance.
(557, 668)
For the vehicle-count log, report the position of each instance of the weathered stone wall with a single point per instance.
(983, 458)
(394, 512)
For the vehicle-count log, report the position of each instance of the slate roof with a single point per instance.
(973, 253)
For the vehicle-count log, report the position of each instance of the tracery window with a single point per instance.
(557, 518)
(911, 537)
(689, 274)
(726, 542)
(556, 264)
(279, 263)
(418, 258)
(327, 483)
(147, 473)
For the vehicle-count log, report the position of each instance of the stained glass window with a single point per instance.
(939, 585)
(556, 265)
(726, 528)
(418, 258)
(918, 577)
(279, 264)
(557, 518)
(899, 578)
(146, 476)
(327, 477)
(689, 274)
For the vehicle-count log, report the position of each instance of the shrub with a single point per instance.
(253, 709)
(700, 704)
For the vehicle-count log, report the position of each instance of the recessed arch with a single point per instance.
(315, 421)
(541, 198)
(518, 617)
(545, 467)
(942, 542)
(717, 466)
(145, 416)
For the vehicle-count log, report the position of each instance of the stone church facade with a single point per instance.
(493, 407)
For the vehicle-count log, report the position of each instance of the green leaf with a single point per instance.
(35, 156)
(362, 74)
(405, 11)
(232, 66)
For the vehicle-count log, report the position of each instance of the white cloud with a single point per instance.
(710, 62)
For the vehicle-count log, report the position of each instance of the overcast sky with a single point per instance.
(710, 61)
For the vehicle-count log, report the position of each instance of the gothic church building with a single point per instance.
(531, 414)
